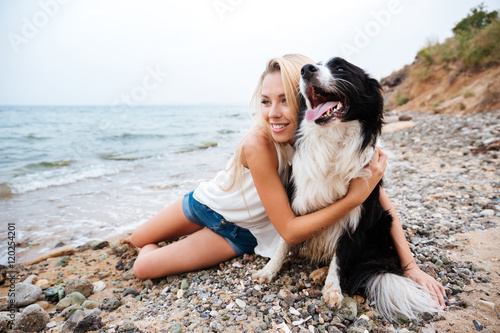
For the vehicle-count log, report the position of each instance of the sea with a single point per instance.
(70, 175)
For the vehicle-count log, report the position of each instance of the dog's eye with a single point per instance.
(340, 69)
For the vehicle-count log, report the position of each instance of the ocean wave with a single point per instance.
(5, 191)
(40, 166)
(47, 165)
(237, 115)
(28, 138)
(123, 157)
(203, 146)
(57, 177)
(131, 136)
(226, 132)
(37, 138)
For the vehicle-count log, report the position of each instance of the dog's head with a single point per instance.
(339, 91)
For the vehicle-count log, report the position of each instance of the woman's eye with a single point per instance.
(265, 102)
(283, 100)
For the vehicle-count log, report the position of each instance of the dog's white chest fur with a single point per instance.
(326, 160)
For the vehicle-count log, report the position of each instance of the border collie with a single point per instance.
(335, 140)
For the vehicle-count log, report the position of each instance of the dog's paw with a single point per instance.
(319, 275)
(333, 297)
(263, 276)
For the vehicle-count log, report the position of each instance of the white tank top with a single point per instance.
(242, 205)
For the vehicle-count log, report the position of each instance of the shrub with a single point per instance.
(476, 44)
(425, 54)
(401, 100)
(476, 20)
(483, 49)
(468, 94)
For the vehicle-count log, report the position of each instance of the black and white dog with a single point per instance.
(335, 140)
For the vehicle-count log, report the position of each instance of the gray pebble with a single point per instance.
(176, 328)
(355, 329)
(130, 291)
(349, 308)
(184, 284)
(110, 303)
(241, 317)
(72, 321)
(32, 319)
(31, 279)
(74, 298)
(83, 286)
(26, 294)
(128, 326)
(91, 322)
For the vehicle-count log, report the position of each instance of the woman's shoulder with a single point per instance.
(258, 140)
(259, 146)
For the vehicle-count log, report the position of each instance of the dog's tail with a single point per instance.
(397, 294)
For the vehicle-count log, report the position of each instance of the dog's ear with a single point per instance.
(373, 85)
(302, 107)
(302, 101)
(375, 92)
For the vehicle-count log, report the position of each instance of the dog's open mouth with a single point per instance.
(325, 106)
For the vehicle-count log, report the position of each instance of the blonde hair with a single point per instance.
(289, 66)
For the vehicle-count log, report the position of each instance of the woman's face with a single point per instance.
(275, 109)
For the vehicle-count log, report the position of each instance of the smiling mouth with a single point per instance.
(326, 106)
(278, 127)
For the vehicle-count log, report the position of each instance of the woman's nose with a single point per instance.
(275, 111)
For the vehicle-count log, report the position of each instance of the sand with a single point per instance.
(483, 248)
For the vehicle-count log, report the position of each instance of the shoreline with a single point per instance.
(69, 250)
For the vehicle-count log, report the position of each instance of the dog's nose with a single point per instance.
(308, 70)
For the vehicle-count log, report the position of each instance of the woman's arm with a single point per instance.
(262, 160)
(405, 256)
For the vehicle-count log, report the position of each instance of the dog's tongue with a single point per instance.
(312, 115)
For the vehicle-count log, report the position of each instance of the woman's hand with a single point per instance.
(425, 280)
(361, 188)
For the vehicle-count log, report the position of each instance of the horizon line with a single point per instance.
(131, 106)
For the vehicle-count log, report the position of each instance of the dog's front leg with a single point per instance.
(331, 290)
(268, 273)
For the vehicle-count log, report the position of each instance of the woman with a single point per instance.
(245, 208)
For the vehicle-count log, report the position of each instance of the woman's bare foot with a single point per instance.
(128, 241)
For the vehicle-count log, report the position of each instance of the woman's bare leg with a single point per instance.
(200, 250)
(170, 223)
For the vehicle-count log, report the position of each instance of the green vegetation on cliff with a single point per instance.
(474, 46)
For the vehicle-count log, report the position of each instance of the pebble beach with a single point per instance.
(444, 181)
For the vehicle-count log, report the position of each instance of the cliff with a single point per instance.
(460, 75)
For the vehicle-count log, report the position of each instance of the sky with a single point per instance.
(148, 52)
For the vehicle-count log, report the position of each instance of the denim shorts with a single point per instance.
(241, 240)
